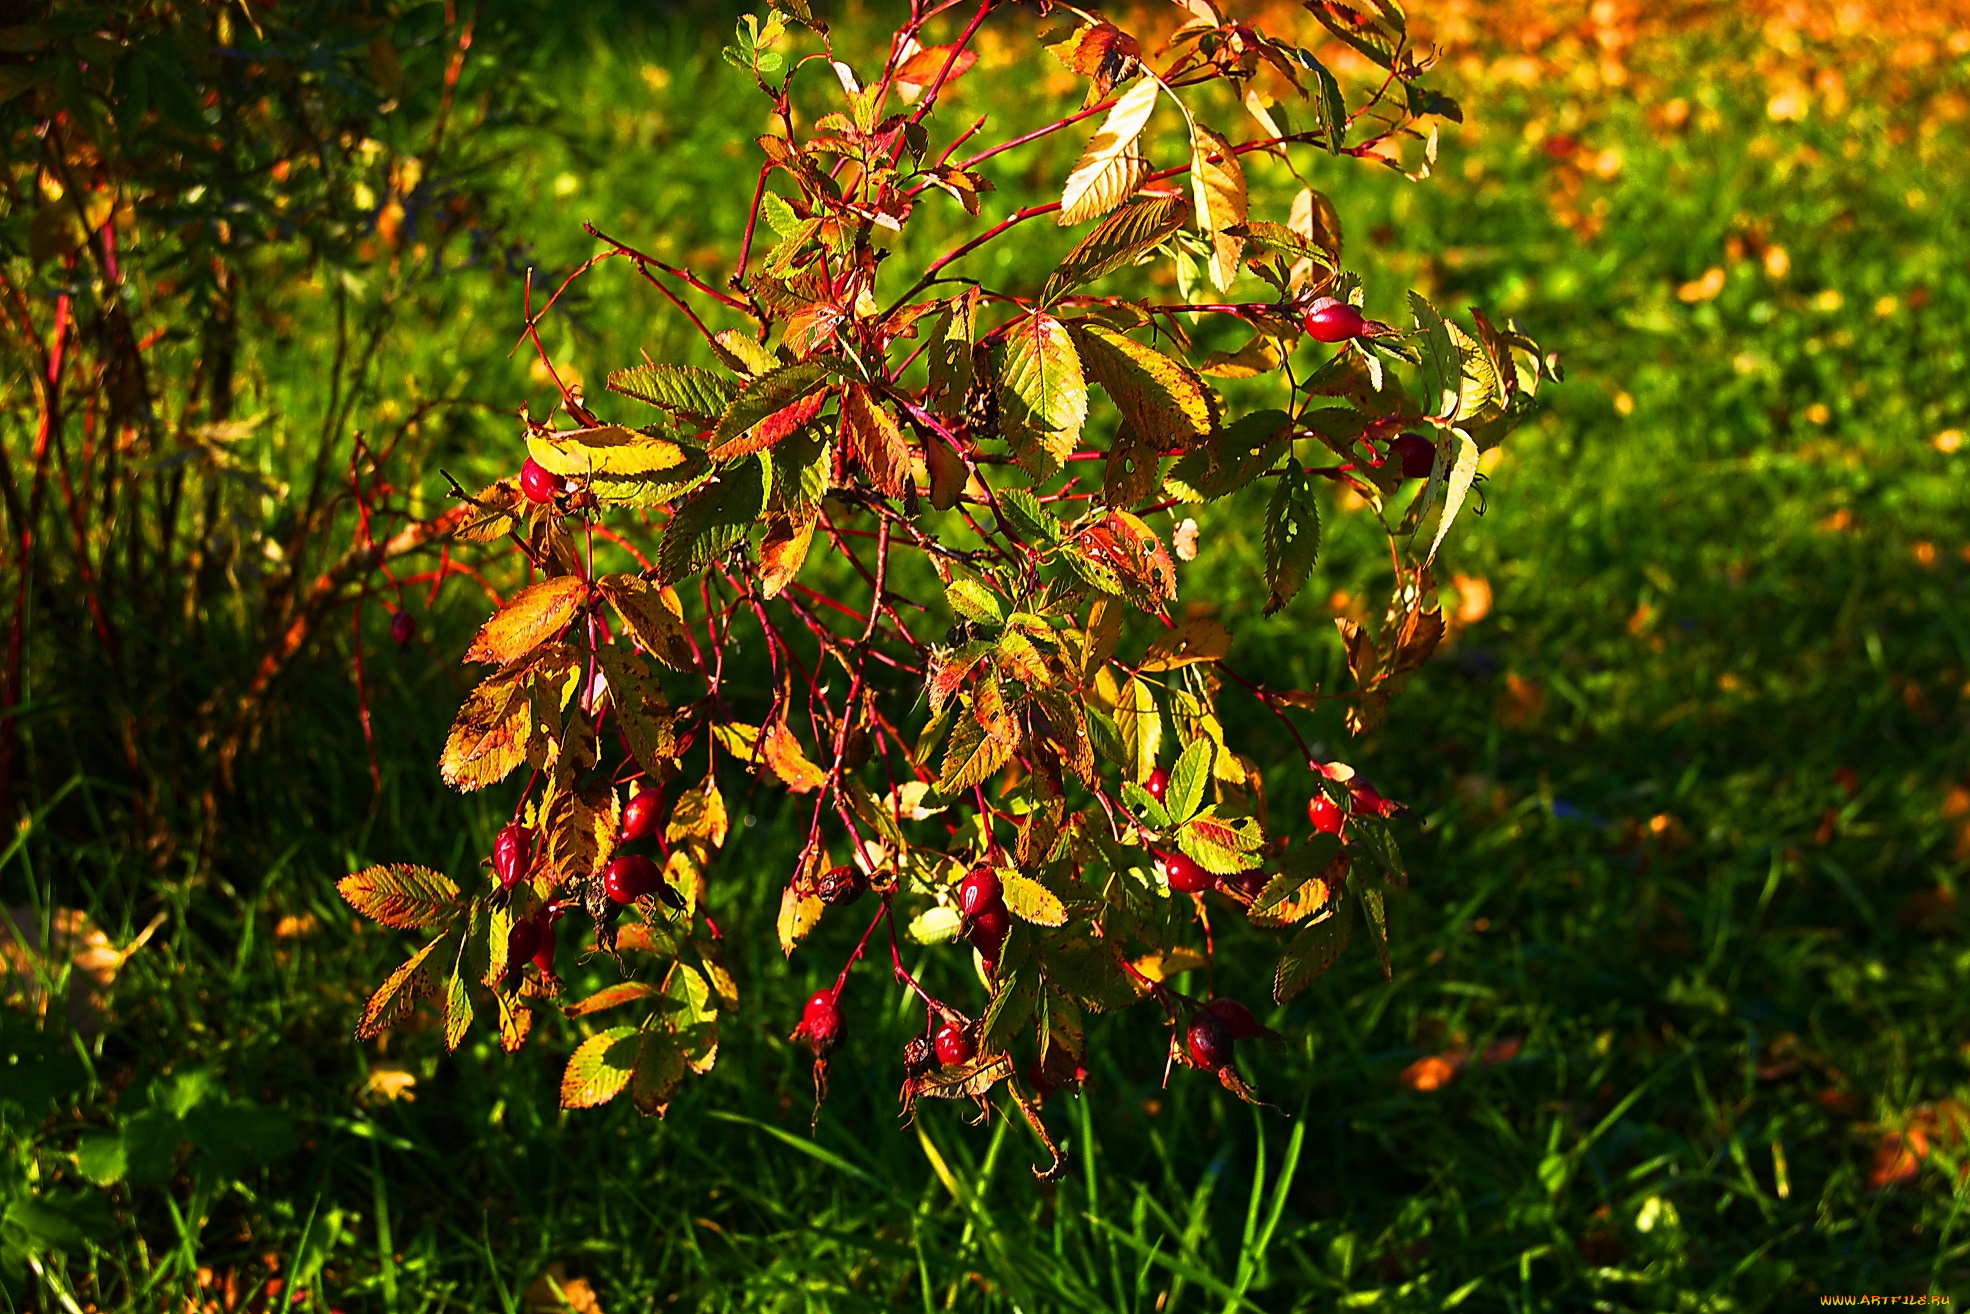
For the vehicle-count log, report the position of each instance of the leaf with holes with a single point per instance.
(398, 994)
(1163, 399)
(1292, 537)
(490, 735)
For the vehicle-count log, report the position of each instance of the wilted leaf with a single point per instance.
(489, 737)
(607, 449)
(394, 999)
(654, 617)
(1217, 183)
(531, 617)
(782, 754)
(612, 996)
(660, 1068)
(783, 550)
(642, 712)
(403, 897)
(874, 440)
(798, 915)
(1198, 640)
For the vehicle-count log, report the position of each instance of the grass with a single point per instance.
(1692, 789)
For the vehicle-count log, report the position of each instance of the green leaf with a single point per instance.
(1165, 401)
(1030, 520)
(683, 388)
(716, 517)
(1292, 537)
(973, 601)
(1013, 1004)
(1144, 805)
(403, 897)
(1443, 369)
(1120, 239)
(1141, 727)
(1043, 395)
(1310, 953)
(1187, 780)
(59, 1220)
(1375, 913)
(768, 395)
(600, 1068)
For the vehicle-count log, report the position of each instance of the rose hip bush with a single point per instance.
(1025, 760)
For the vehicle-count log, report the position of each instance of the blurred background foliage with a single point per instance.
(1678, 1017)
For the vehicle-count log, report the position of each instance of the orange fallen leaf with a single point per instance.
(1430, 1073)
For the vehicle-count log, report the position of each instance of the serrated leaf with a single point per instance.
(1187, 780)
(1309, 954)
(1292, 537)
(535, 615)
(743, 353)
(1443, 371)
(1111, 167)
(1014, 1001)
(936, 924)
(780, 753)
(458, 1009)
(1029, 900)
(972, 757)
(1457, 484)
(971, 600)
(799, 914)
(698, 817)
(599, 1068)
(613, 996)
(873, 438)
(653, 616)
(642, 712)
(1219, 846)
(1373, 911)
(495, 512)
(1043, 395)
(769, 395)
(683, 388)
(660, 1068)
(1141, 727)
(1165, 401)
(1217, 184)
(1030, 520)
(403, 897)
(715, 518)
(1121, 239)
(489, 737)
(398, 993)
(950, 355)
(606, 450)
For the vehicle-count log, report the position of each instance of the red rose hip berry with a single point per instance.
(1184, 875)
(402, 629)
(988, 935)
(839, 885)
(1331, 320)
(955, 1045)
(630, 877)
(1158, 784)
(522, 943)
(1326, 815)
(1418, 454)
(820, 1024)
(1238, 1020)
(537, 483)
(1209, 1042)
(980, 892)
(640, 815)
(1369, 799)
(544, 956)
(512, 855)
